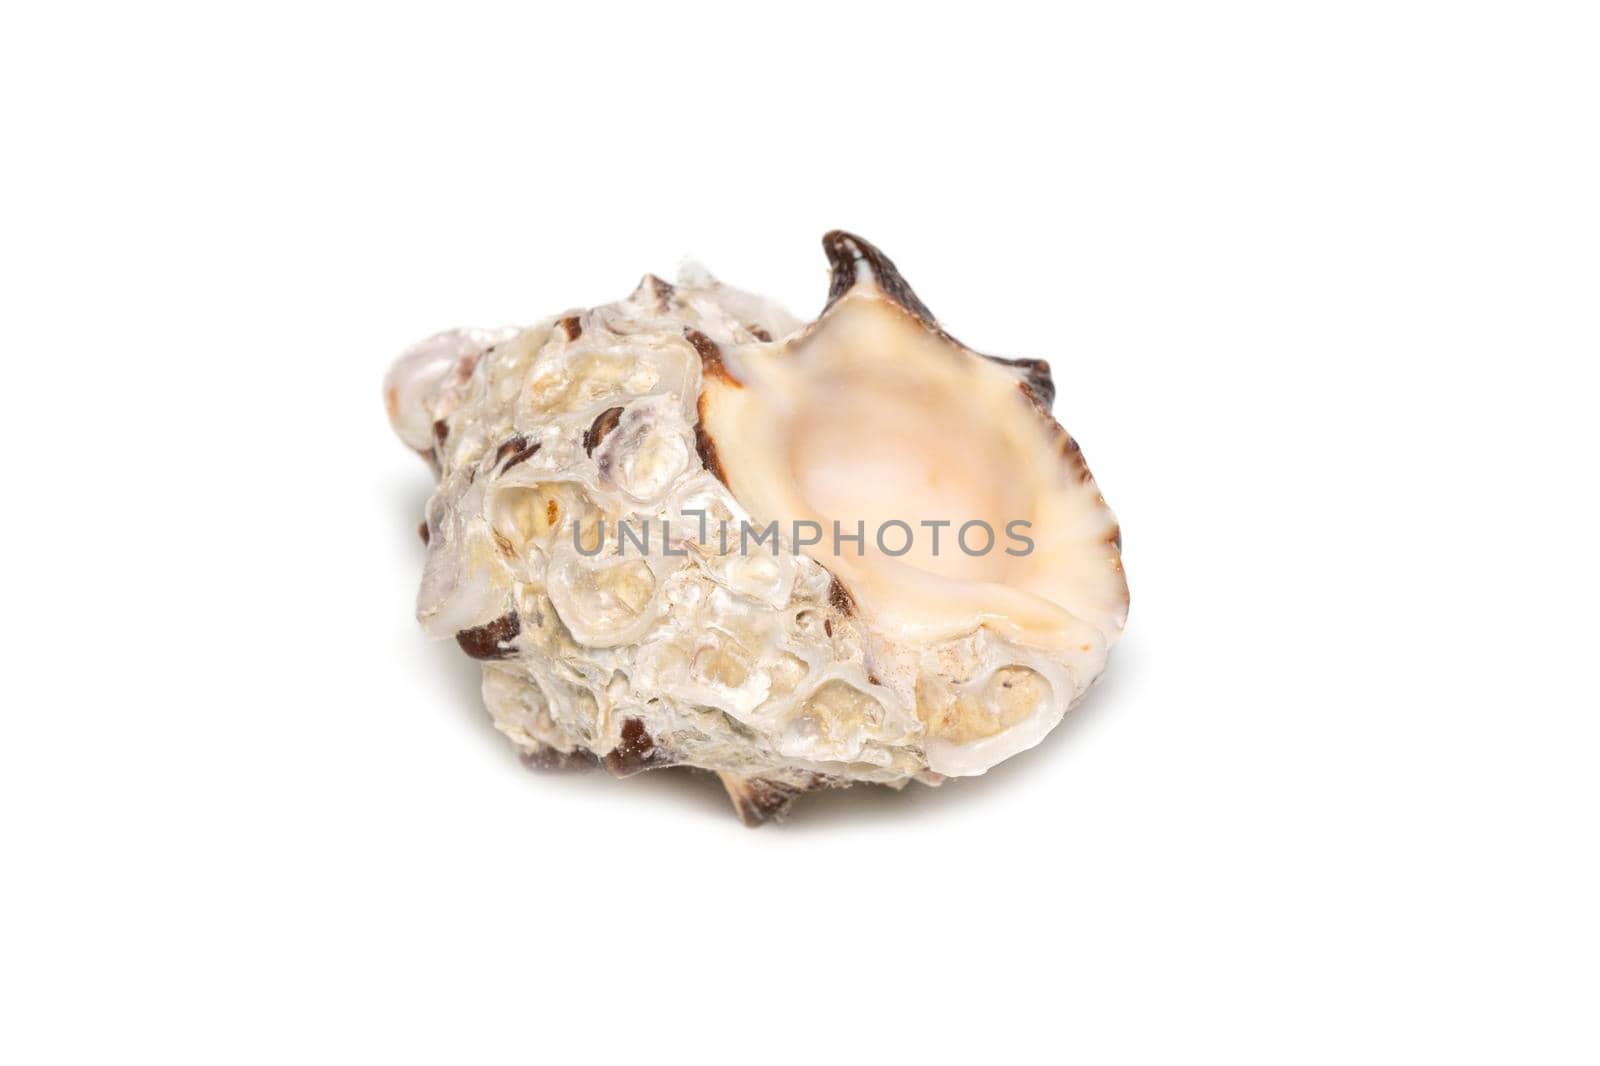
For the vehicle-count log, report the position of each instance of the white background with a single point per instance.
(1319, 286)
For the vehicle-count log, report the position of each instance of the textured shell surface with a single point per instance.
(600, 475)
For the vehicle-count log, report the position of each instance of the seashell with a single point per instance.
(685, 529)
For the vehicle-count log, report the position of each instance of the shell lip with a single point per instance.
(858, 263)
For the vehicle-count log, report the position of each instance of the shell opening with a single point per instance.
(914, 464)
